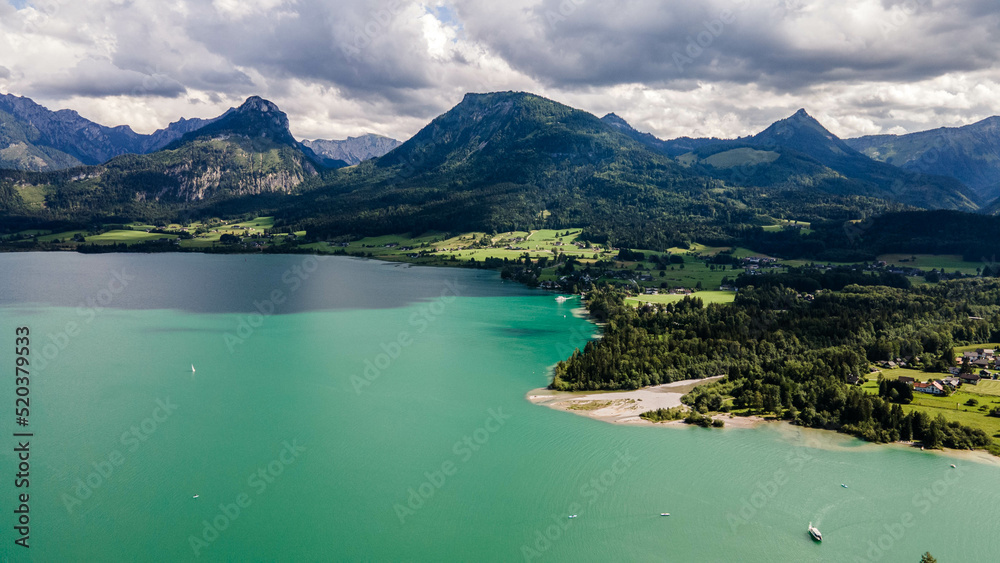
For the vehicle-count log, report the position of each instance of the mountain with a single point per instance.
(499, 161)
(513, 161)
(494, 162)
(798, 150)
(353, 150)
(35, 138)
(247, 151)
(970, 154)
(518, 132)
(671, 148)
(257, 118)
(645, 138)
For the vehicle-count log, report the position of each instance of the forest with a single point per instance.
(790, 357)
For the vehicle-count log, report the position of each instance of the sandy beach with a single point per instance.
(624, 407)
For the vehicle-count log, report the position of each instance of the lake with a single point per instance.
(355, 410)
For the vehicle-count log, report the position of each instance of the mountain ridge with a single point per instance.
(353, 150)
(498, 161)
(33, 137)
(970, 153)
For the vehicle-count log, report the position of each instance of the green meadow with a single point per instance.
(127, 237)
(946, 262)
(952, 407)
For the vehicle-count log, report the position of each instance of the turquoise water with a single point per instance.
(436, 456)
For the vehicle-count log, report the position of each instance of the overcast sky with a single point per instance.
(680, 67)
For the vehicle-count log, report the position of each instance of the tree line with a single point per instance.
(784, 355)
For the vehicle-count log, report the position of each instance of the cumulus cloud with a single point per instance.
(688, 67)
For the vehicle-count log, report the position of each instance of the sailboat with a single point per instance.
(192, 368)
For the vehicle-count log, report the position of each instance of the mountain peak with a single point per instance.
(258, 104)
(616, 121)
(515, 135)
(255, 118)
(803, 132)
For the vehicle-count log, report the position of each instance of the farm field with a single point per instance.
(128, 237)
(946, 262)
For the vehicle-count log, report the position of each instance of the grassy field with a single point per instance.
(900, 372)
(64, 236)
(127, 237)
(33, 196)
(970, 416)
(972, 347)
(952, 407)
(536, 244)
(990, 388)
(136, 233)
(438, 248)
(805, 227)
(215, 231)
(28, 232)
(706, 296)
(947, 262)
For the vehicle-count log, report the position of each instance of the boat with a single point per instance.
(192, 368)
(572, 515)
(664, 514)
(843, 485)
(815, 533)
(195, 496)
(560, 299)
(953, 466)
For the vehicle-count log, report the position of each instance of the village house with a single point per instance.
(952, 382)
(907, 380)
(970, 378)
(932, 388)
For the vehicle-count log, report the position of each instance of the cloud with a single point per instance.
(99, 78)
(686, 67)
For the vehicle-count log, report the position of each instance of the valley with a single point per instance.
(546, 280)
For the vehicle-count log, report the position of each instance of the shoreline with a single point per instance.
(624, 407)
